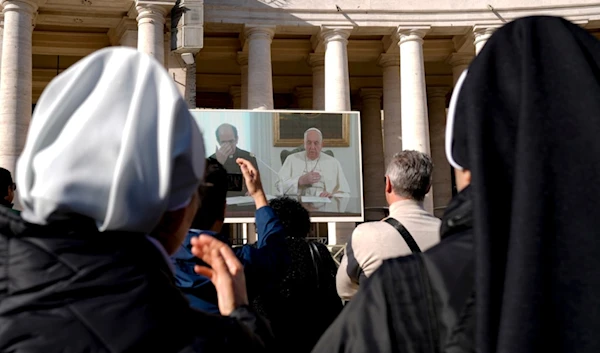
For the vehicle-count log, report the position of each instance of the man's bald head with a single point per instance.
(227, 133)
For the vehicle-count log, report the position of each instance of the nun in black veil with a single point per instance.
(524, 125)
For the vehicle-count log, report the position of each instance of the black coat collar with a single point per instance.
(459, 214)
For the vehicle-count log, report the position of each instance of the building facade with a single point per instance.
(401, 58)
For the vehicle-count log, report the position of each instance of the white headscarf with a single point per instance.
(111, 139)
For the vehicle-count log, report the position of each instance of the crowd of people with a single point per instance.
(119, 245)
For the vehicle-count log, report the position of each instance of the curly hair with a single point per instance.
(293, 216)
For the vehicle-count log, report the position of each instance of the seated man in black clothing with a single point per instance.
(228, 153)
(305, 302)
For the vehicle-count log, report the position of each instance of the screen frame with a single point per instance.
(319, 219)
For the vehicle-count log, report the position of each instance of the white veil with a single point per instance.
(110, 139)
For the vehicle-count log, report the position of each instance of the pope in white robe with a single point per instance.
(312, 173)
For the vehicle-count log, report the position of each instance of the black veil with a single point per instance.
(526, 123)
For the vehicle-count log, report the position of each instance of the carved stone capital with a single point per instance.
(259, 32)
(386, 60)
(415, 33)
(242, 59)
(332, 34)
(371, 93)
(460, 59)
(437, 92)
(316, 60)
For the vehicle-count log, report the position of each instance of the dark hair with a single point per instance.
(213, 196)
(292, 215)
(5, 182)
(235, 134)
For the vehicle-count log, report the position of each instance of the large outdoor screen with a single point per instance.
(311, 156)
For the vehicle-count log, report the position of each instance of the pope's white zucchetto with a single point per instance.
(111, 139)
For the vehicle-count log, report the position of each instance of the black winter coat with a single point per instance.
(303, 304)
(389, 314)
(65, 287)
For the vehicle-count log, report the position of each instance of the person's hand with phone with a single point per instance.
(223, 152)
(253, 182)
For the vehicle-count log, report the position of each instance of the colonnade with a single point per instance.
(414, 114)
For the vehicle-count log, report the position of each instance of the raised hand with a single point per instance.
(226, 272)
(224, 152)
(253, 182)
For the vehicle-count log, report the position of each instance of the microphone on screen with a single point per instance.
(283, 193)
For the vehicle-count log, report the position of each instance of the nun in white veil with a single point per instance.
(108, 179)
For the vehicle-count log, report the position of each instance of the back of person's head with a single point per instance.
(409, 173)
(6, 181)
(213, 196)
(293, 216)
(111, 139)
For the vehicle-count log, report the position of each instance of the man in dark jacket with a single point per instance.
(263, 264)
(405, 309)
(228, 153)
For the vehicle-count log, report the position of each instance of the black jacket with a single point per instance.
(65, 287)
(304, 303)
(389, 314)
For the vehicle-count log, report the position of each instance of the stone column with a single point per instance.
(236, 96)
(304, 95)
(260, 73)
(336, 97)
(392, 122)
(129, 39)
(251, 233)
(442, 181)
(372, 147)
(459, 63)
(1, 35)
(337, 81)
(190, 84)
(16, 74)
(415, 128)
(317, 62)
(125, 34)
(339, 233)
(242, 59)
(482, 34)
(184, 77)
(151, 30)
(167, 49)
(415, 125)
